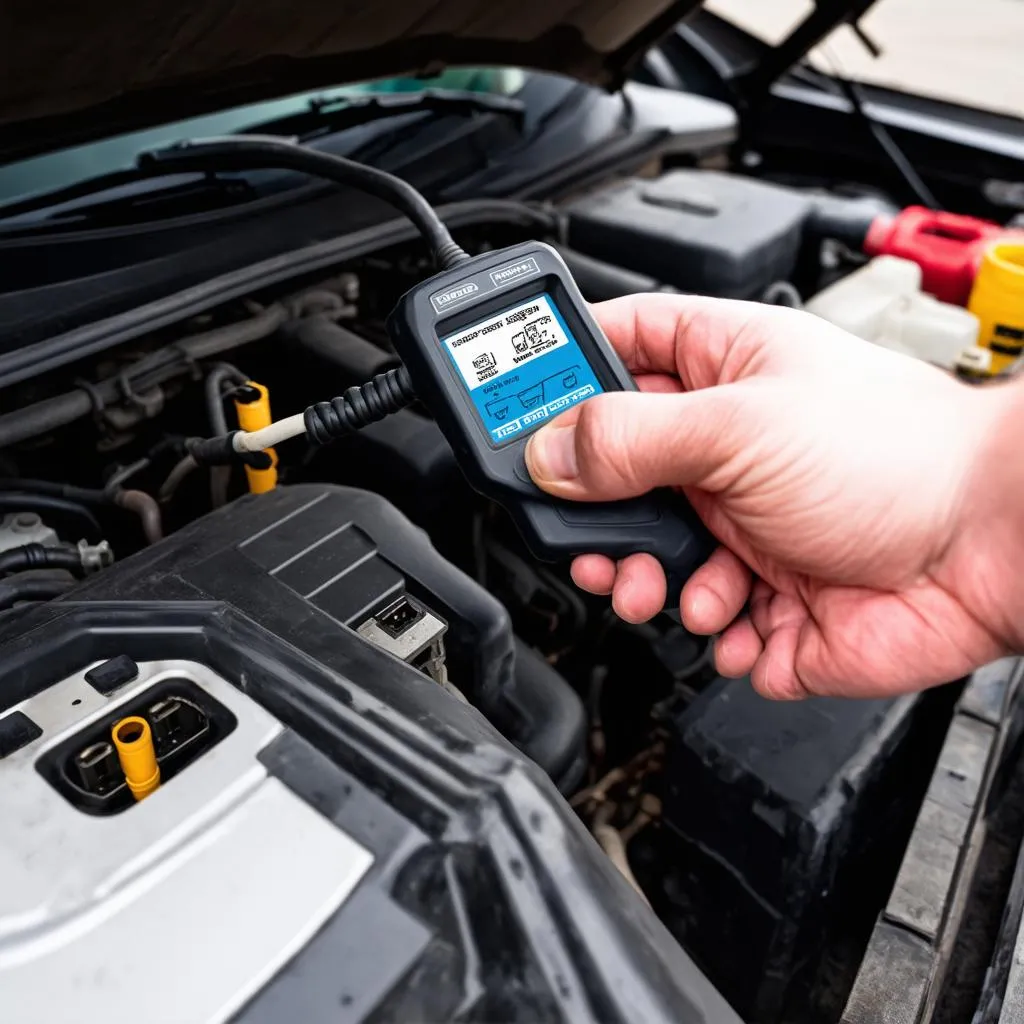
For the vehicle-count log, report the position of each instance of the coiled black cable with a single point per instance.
(359, 406)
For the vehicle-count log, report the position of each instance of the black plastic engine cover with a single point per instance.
(700, 231)
(350, 553)
(487, 900)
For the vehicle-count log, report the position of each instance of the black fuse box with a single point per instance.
(699, 231)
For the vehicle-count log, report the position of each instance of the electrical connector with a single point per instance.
(133, 740)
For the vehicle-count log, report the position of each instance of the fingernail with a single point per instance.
(702, 604)
(551, 454)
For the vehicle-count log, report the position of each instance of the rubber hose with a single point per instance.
(556, 734)
(125, 473)
(12, 591)
(231, 336)
(600, 281)
(846, 220)
(359, 406)
(220, 476)
(59, 411)
(145, 507)
(175, 478)
(86, 495)
(357, 358)
(44, 416)
(38, 556)
(17, 501)
(215, 400)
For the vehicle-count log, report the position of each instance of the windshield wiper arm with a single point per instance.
(323, 116)
(334, 114)
(224, 188)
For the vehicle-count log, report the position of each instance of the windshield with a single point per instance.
(67, 166)
(963, 51)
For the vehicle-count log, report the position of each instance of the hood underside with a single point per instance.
(75, 72)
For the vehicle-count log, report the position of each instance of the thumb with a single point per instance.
(624, 444)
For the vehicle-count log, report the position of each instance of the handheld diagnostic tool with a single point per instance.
(497, 346)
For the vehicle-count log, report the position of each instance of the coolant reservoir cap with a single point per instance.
(1003, 264)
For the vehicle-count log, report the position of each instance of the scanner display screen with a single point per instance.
(521, 367)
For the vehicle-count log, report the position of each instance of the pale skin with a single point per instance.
(870, 508)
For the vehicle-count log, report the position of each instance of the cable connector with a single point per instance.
(221, 451)
(450, 254)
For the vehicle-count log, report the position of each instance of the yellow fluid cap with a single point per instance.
(1003, 265)
(997, 300)
(133, 740)
(253, 406)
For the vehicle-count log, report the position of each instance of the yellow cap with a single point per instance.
(1003, 265)
(133, 740)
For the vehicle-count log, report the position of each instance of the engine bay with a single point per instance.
(363, 640)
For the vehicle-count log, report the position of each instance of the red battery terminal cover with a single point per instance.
(948, 247)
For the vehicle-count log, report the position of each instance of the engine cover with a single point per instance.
(354, 842)
(700, 231)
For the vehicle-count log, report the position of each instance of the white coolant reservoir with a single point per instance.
(882, 302)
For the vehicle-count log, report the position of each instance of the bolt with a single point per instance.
(26, 521)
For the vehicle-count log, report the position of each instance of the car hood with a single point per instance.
(75, 72)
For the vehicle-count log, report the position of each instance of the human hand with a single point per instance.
(843, 480)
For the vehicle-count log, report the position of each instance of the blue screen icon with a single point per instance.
(521, 366)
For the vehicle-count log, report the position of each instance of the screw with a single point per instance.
(26, 521)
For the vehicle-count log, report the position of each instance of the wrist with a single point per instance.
(987, 556)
